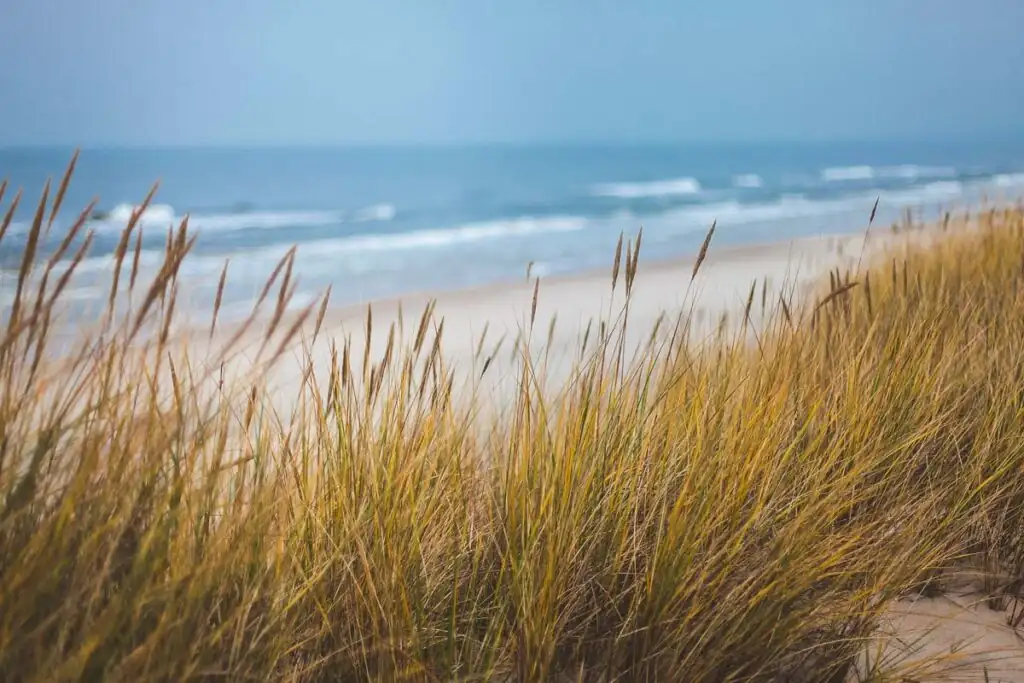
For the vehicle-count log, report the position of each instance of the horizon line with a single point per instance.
(507, 144)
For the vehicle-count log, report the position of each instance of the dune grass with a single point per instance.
(723, 511)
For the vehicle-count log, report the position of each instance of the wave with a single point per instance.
(839, 174)
(164, 214)
(798, 206)
(264, 220)
(931, 192)
(910, 172)
(735, 212)
(658, 188)
(155, 213)
(358, 244)
(747, 181)
(377, 212)
(1008, 179)
(846, 173)
(444, 237)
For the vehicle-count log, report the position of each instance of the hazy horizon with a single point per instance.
(1011, 138)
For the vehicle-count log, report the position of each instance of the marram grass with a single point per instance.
(731, 511)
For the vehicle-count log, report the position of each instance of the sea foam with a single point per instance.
(1008, 179)
(205, 264)
(155, 213)
(904, 172)
(658, 188)
(165, 215)
(747, 181)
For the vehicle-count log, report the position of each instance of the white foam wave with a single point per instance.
(657, 188)
(377, 212)
(747, 181)
(911, 172)
(1008, 179)
(931, 192)
(444, 237)
(846, 173)
(357, 244)
(840, 174)
(264, 220)
(165, 215)
(798, 206)
(734, 212)
(155, 213)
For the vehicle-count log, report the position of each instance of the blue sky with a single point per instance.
(145, 72)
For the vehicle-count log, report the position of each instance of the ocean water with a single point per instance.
(379, 222)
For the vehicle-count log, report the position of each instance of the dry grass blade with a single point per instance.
(28, 257)
(836, 293)
(72, 232)
(750, 302)
(867, 233)
(480, 341)
(702, 254)
(61, 190)
(250, 320)
(8, 218)
(533, 302)
(867, 293)
(76, 259)
(177, 250)
(785, 311)
(55, 258)
(292, 333)
(421, 331)
(285, 295)
(369, 340)
(633, 263)
(135, 260)
(322, 313)
(219, 298)
(617, 261)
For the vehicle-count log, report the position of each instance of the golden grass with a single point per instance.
(723, 513)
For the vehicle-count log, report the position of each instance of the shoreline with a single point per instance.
(662, 292)
(674, 264)
(888, 214)
(662, 289)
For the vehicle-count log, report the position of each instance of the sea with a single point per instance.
(380, 222)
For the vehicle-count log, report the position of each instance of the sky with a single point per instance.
(202, 72)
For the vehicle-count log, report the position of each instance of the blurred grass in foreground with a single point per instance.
(732, 511)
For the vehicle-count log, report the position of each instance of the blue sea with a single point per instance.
(379, 222)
